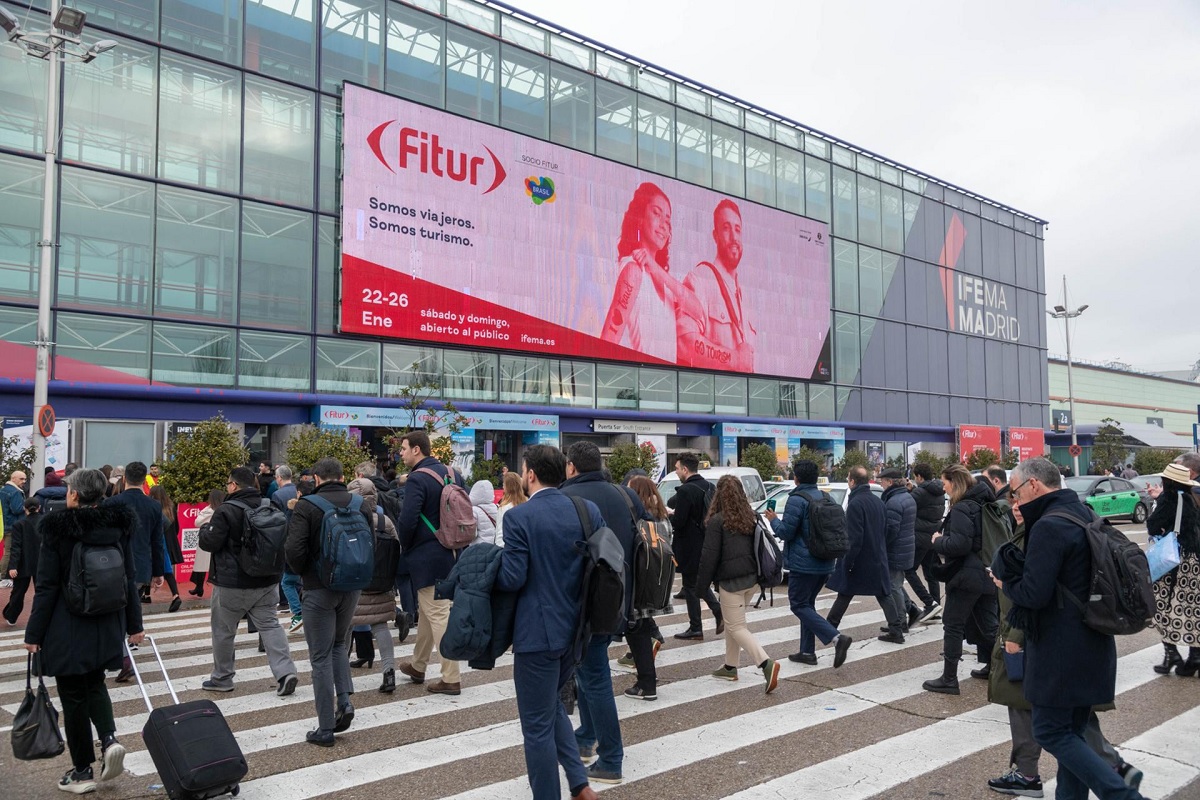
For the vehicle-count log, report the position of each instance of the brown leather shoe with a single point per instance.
(413, 675)
(586, 793)
(441, 687)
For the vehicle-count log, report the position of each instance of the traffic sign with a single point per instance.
(1074, 450)
(45, 421)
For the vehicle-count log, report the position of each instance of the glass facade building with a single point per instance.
(198, 218)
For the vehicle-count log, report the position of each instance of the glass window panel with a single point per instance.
(468, 376)
(816, 147)
(913, 183)
(117, 442)
(615, 112)
(846, 351)
(691, 99)
(655, 85)
(692, 142)
(573, 383)
(109, 109)
(106, 227)
(869, 231)
(729, 169)
(656, 135)
(912, 203)
(471, 74)
(195, 255)
(523, 34)
(893, 301)
(281, 39)
(21, 181)
(193, 355)
(473, 15)
(19, 326)
(657, 389)
(572, 108)
(820, 402)
(573, 53)
(816, 188)
(523, 104)
(212, 28)
(866, 327)
(279, 130)
(327, 161)
(867, 165)
(327, 275)
(119, 344)
(843, 157)
(200, 123)
(351, 43)
(415, 55)
(22, 96)
(845, 275)
(277, 270)
(889, 174)
(347, 366)
(696, 392)
(616, 386)
(730, 394)
(524, 379)
(757, 123)
(614, 69)
(760, 170)
(409, 365)
(845, 209)
(726, 112)
(892, 207)
(136, 17)
(849, 403)
(274, 361)
(870, 280)
(769, 398)
(789, 180)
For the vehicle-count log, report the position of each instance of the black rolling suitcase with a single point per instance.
(191, 744)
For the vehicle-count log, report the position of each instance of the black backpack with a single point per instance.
(264, 530)
(96, 583)
(767, 556)
(392, 504)
(387, 557)
(1121, 594)
(827, 537)
(602, 590)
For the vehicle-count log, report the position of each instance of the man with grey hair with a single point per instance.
(1069, 667)
(286, 490)
(364, 470)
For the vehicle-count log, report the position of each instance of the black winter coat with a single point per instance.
(70, 644)
(303, 546)
(726, 555)
(480, 628)
(1067, 665)
(1163, 520)
(864, 570)
(930, 497)
(428, 562)
(901, 512)
(223, 538)
(617, 515)
(23, 542)
(961, 542)
(687, 523)
(147, 542)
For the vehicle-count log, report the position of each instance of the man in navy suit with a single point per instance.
(542, 563)
(147, 543)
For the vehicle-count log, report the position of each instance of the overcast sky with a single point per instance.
(1086, 114)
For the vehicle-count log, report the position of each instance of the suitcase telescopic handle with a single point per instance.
(161, 666)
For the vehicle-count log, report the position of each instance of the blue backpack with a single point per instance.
(347, 559)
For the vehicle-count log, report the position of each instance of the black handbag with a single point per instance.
(35, 731)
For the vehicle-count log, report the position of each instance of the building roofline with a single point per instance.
(1075, 362)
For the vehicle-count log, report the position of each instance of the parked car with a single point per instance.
(751, 482)
(1144, 482)
(1112, 497)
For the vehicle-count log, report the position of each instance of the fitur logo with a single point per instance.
(540, 190)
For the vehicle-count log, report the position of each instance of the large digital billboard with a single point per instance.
(461, 233)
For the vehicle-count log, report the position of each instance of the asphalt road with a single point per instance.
(863, 731)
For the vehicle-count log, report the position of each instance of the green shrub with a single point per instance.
(936, 463)
(982, 459)
(629, 456)
(761, 458)
(1149, 462)
(851, 459)
(310, 444)
(200, 461)
(14, 458)
(808, 454)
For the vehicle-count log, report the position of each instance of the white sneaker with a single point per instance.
(5, 583)
(113, 760)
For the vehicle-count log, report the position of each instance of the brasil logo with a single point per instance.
(540, 190)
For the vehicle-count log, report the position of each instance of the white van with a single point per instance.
(751, 481)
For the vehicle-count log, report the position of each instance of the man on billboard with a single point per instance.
(647, 301)
(723, 338)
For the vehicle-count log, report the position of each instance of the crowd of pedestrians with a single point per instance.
(944, 536)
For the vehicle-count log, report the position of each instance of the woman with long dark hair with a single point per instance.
(647, 299)
(172, 553)
(1177, 614)
(728, 558)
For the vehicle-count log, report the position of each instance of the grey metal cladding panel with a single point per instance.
(960, 411)
(1012, 371)
(935, 229)
(895, 344)
(914, 241)
(873, 367)
(874, 405)
(939, 410)
(997, 382)
(971, 259)
(1006, 252)
(937, 309)
(915, 298)
(853, 407)
(977, 409)
(917, 357)
(896, 408)
(957, 362)
(939, 362)
(976, 366)
(919, 409)
(893, 295)
(1040, 249)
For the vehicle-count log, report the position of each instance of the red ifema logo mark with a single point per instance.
(424, 151)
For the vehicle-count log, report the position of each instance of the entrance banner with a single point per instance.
(1028, 442)
(189, 537)
(977, 437)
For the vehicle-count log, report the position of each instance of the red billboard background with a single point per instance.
(977, 437)
(1028, 442)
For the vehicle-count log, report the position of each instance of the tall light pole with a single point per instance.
(1062, 312)
(59, 42)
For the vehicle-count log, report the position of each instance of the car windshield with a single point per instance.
(1079, 484)
(837, 495)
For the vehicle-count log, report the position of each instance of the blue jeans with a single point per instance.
(598, 722)
(545, 726)
(1060, 732)
(291, 590)
(802, 595)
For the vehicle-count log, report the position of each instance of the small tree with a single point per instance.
(852, 458)
(1011, 458)
(200, 461)
(1149, 462)
(761, 458)
(982, 459)
(15, 459)
(1109, 448)
(487, 470)
(936, 463)
(628, 455)
(310, 444)
(425, 413)
(808, 454)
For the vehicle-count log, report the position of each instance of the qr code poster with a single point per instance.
(189, 537)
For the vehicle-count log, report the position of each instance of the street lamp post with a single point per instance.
(1062, 312)
(60, 41)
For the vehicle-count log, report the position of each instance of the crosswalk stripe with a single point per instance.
(1166, 754)
(874, 769)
